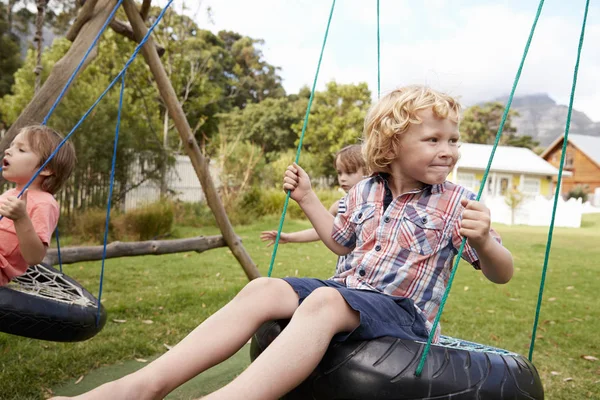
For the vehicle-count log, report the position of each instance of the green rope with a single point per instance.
(305, 124)
(481, 187)
(378, 56)
(558, 180)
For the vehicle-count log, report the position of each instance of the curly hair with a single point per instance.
(391, 116)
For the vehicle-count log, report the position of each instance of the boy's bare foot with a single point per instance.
(117, 390)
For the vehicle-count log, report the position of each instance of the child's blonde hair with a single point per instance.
(350, 158)
(393, 114)
(43, 141)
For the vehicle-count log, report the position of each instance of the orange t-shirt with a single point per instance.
(43, 211)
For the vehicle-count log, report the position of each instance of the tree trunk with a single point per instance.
(70, 255)
(39, 106)
(39, 41)
(198, 160)
(163, 166)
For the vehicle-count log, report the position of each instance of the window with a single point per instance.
(531, 186)
(569, 160)
(504, 185)
(467, 180)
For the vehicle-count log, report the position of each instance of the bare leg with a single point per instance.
(297, 350)
(215, 340)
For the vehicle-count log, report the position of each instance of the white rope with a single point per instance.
(43, 282)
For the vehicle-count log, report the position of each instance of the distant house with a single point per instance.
(582, 160)
(512, 167)
(521, 169)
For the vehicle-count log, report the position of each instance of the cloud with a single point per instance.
(472, 51)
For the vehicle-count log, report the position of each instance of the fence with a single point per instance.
(182, 184)
(536, 211)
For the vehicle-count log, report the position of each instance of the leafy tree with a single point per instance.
(480, 125)
(252, 79)
(268, 123)
(513, 199)
(10, 60)
(336, 120)
(521, 141)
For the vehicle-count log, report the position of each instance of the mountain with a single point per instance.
(544, 120)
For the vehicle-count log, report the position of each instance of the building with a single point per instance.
(515, 168)
(512, 167)
(582, 161)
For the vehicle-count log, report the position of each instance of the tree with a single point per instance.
(39, 40)
(336, 120)
(513, 199)
(480, 125)
(268, 123)
(521, 141)
(252, 79)
(10, 60)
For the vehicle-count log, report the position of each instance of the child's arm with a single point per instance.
(297, 181)
(495, 260)
(307, 235)
(31, 247)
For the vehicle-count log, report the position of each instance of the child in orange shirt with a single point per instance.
(27, 223)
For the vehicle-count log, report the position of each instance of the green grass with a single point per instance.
(179, 291)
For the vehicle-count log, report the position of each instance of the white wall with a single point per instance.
(182, 180)
(537, 211)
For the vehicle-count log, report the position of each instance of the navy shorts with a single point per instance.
(380, 314)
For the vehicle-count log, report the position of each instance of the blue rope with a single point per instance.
(110, 192)
(310, 100)
(558, 180)
(481, 187)
(58, 250)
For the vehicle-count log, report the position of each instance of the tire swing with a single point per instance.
(388, 368)
(47, 304)
(44, 303)
(384, 369)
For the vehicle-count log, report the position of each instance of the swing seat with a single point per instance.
(48, 305)
(384, 368)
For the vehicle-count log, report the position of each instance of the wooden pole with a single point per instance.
(193, 150)
(70, 255)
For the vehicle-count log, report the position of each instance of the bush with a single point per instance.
(195, 215)
(579, 191)
(149, 222)
(259, 202)
(87, 226)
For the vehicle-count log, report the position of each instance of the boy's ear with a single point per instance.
(46, 172)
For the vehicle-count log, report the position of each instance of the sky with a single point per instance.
(468, 48)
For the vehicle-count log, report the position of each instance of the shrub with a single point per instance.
(579, 191)
(193, 214)
(258, 202)
(87, 226)
(148, 222)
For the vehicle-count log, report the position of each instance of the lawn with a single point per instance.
(161, 298)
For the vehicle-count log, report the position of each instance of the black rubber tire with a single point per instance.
(383, 369)
(45, 319)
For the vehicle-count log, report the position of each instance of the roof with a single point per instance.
(506, 159)
(588, 145)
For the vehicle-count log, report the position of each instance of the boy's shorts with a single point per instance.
(380, 314)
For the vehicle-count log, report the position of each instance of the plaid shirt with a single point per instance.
(404, 246)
